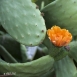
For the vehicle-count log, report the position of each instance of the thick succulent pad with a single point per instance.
(73, 50)
(62, 13)
(23, 21)
(65, 68)
(35, 68)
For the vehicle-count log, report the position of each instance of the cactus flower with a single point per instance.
(59, 37)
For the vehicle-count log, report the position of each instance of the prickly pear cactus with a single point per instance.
(62, 13)
(73, 50)
(55, 54)
(23, 21)
(31, 69)
(63, 69)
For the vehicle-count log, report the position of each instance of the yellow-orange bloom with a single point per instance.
(59, 37)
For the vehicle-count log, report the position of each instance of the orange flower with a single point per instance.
(59, 37)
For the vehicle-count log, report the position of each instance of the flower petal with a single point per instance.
(59, 37)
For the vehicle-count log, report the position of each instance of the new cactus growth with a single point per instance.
(38, 38)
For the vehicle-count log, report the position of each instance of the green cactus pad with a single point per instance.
(75, 75)
(65, 68)
(62, 13)
(35, 68)
(23, 21)
(73, 50)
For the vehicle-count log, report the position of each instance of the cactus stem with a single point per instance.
(53, 50)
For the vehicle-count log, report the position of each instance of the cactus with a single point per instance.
(63, 69)
(26, 69)
(42, 2)
(73, 50)
(21, 20)
(38, 38)
(59, 13)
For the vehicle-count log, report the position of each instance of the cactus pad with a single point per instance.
(73, 50)
(23, 21)
(35, 68)
(65, 68)
(62, 13)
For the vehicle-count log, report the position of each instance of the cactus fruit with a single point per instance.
(61, 55)
(22, 21)
(56, 52)
(62, 13)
